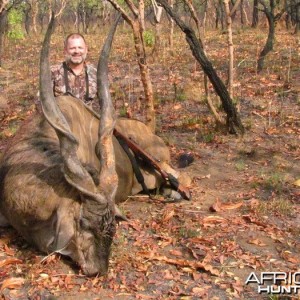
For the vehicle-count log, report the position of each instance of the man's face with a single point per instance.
(75, 51)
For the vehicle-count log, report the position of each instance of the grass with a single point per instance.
(208, 137)
(9, 131)
(188, 232)
(169, 139)
(273, 182)
(191, 121)
(180, 95)
(280, 206)
(122, 111)
(240, 165)
(247, 152)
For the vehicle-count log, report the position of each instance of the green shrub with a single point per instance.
(149, 38)
(15, 21)
(123, 111)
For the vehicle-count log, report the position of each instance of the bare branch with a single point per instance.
(132, 8)
(233, 120)
(263, 3)
(279, 15)
(234, 8)
(122, 11)
(62, 7)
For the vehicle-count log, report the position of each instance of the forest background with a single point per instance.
(232, 103)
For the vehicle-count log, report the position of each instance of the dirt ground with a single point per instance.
(244, 214)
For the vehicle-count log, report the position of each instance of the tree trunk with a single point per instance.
(171, 32)
(230, 48)
(78, 19)
(201, 41)
(244, 17)
(27, 20)
(221, 13)
(83, 19)
(242, 13)
(287, 18)
(141, 17)
(157, 43)
(157, 16)
(34, 13)
(218, 17)
(255, 14)
(3, 23)
(195, 18)
(234, 123)
(204, 16)
(297, 27)
(145, 76)
(233, 4)
(270, 40)
(137, 28)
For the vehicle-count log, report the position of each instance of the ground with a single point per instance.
(244, 214)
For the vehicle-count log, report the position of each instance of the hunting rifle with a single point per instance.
(169, 178)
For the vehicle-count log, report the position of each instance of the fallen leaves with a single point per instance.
(10, 261)
(290, 257)
(219, 206)
(191, 228)
(182, 262)
(176, 252)
(257, 242)
(12, 283)
(213, 220)
(168, 215)
(253, 219)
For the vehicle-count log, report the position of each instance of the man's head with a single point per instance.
(75, 49)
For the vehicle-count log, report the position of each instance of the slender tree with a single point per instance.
(244, 17)
(233, 121)
(229, 14)
(136, 21)
(3, 22)
(171, 32)
(157, 10)
(255, 14)
(205, 8)
(210, 104)
(219, 8)
(31, 15)
(269, 11)
(296, 6)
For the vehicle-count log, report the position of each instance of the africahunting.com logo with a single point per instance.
(287, 283)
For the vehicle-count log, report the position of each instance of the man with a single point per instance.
(74, 76)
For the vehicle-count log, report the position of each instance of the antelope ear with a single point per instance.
(119, 216)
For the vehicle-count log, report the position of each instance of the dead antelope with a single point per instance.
(64, 172)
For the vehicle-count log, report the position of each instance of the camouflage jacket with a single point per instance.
(77, 83)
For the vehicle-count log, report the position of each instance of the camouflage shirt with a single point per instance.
(77, 83)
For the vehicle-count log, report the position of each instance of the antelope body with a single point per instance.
(35, 197)
(64, 173)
